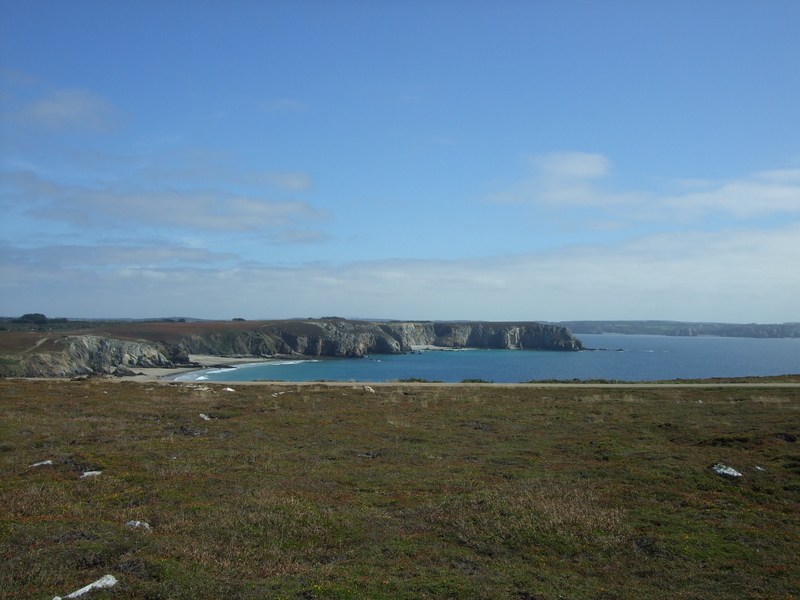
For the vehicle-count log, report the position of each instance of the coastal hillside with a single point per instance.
(119, 347)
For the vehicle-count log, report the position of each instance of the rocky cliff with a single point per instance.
(506, 336)
(342, 338)
(96, 355)
(99, 355)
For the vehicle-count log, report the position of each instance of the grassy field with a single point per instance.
(319, 491)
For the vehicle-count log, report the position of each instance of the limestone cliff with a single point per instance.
(506, 336)
(96, 355)
(343, 338)
(335, 338)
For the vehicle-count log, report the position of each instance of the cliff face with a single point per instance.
(343, 339)
(340, 338)
(97, 355)
(506, 336)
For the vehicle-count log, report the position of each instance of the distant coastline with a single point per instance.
(684, 328)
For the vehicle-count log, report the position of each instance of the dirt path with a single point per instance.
(36, 345)
(417, 384)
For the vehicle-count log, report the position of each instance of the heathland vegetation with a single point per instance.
(398, 491)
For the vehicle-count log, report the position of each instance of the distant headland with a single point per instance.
(681, 328)
(34, 346)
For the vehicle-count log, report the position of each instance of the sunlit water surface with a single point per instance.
(618, 357)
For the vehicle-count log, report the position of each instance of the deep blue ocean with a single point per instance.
(619, 357)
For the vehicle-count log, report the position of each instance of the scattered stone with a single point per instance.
(376, 454)
(89, 474)
(79, 464)
(106, 581)
(193, 431)
(725, 471)
(139, 524)
(41, 464)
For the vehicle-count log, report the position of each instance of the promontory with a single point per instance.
(99, 348)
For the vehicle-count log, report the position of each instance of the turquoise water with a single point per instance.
(620, 357)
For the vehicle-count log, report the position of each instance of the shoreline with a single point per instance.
(200, 362)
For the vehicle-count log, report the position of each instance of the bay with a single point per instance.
(618, 357)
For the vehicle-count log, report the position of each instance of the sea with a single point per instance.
(610, 357)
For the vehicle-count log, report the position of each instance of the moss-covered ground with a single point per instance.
(412, 491)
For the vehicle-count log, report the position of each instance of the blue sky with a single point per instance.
(551, 160)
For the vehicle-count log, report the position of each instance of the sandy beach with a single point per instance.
(203, 361)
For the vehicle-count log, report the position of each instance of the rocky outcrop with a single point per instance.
(343, 338)
(335, 338)
(506, 336)
(100, 355)
(97, 355)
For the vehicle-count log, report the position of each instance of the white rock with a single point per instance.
(229, 390)
(205, 417)
(369, 389)
(104, 582)
(139, 524)
(725, 470)
(41, 464)
(89, 474)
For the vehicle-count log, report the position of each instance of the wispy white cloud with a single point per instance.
(765, 193)
(297, 181)
(572, 165)
(579, 180)
(195, 209)
(111, 255)
(565, 179)
(737, 275)
(68, 110)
